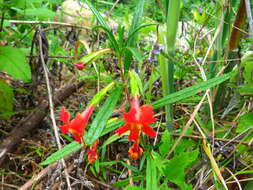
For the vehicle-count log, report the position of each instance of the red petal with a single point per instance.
(147, 115)
(79, 138)
(78, 124)
(149, 131)
(122, 129)
(86, 114)
(130, 116)
(64, 128)
(64, 116)
(92, 155)
(134, 133)
(135, 151)
(80, 65)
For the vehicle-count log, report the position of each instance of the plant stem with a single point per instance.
(168, 73)
(121, 65)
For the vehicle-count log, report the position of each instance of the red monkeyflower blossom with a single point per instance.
(92, 153)
(77, 125)
(138, 119)
(135, 151)
(80, 65)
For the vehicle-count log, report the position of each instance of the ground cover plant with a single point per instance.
(133, 95)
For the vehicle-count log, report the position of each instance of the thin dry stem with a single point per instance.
(51, 107)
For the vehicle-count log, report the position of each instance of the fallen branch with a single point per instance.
(31, 122)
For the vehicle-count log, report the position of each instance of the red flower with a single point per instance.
(138, 119)
(80, 65)
(135, 151)
(92, 153)
(77, 125)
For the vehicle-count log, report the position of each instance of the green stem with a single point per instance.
(168, 73)
(121, 65)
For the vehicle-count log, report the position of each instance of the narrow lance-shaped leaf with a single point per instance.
(102, 116)
(68, 149)
(187, 92)
(94, 55)
(101, 94)
(74, 146)
(151, 174)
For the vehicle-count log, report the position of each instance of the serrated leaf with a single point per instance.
(166, 143)
(245, 122)
(102, 116)
(174, 169)
(66, 150)
(13, 62)
(189, 91)
(6, 98)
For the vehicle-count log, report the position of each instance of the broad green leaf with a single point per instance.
(102, 116)
(174, 169)
(166, 143)
(13, 62)
(68, 149)
(38, 12)
(94, 55)
(189, 91)
(151, 173)
(247, 74)
(6, 98)
(245, 122)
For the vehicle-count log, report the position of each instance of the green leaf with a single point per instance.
(137, 19)
(111, 37)
(12, 61)
(38, 12)
(6, 98)
(95, 100)
(134, 169)
(174, 169)
(102, 116)
(133, 84)
(94, 55)
(135, 53)
(151, 173)
(112, 126)
(97, 14)
(66, 150)
(166, 143)
(133, 188)
(125, 182)
(245, 122)
(189, 91)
